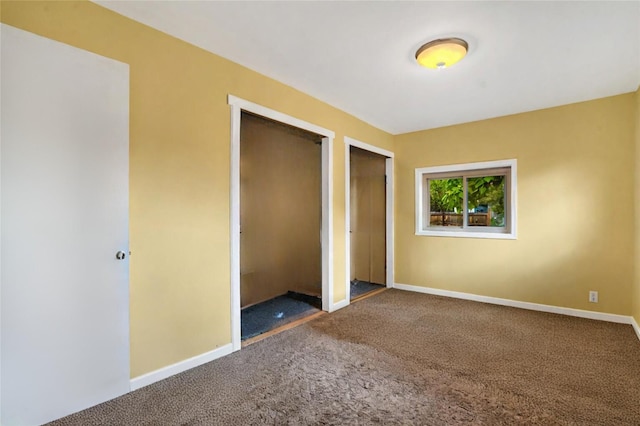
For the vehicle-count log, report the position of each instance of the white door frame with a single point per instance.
(348, 143)
(237, 106)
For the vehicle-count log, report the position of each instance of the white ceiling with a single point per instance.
(359, 56)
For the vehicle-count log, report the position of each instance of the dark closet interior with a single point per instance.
(280, 220)
(367, 221)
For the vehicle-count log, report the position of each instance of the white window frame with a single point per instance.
(456, 170)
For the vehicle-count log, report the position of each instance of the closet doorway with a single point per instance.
(369, 198)
(280, 223)
(281, 227)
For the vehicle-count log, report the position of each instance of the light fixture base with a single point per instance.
(442, 53)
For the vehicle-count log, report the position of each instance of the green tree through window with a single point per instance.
(472, 200)
(485, 194)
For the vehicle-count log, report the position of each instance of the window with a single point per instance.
(475, 200)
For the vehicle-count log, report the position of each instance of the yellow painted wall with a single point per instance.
(179, 171)
(575, 193)
(636, 283)
(575, 207)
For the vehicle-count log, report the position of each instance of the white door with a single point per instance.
(64, 192)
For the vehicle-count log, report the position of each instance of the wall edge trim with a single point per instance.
(635, 326)
(273, 114)
(368, 147)
(179, 367)
(341, 304)
(600, 316)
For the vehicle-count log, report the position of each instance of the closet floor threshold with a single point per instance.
(282, 328)
(368, 294)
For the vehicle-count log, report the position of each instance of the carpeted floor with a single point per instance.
(402, 358)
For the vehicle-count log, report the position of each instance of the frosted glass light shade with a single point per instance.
(442, 53)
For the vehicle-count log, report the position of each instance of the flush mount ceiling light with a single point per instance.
(442, 53)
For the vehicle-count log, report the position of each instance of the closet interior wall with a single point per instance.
(280, 210)
(368, 216)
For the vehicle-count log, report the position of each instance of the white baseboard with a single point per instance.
(341, 304)
(187, 364)
(179, 367)
(622, 319)
(634, 323)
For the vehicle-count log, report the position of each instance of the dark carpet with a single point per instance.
(359, 288)
(402, 358)
(276, 312)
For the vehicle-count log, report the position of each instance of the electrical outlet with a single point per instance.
(593, 296)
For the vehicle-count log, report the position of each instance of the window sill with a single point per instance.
(467, 234)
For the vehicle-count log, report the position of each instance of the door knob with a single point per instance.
(120, 255)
